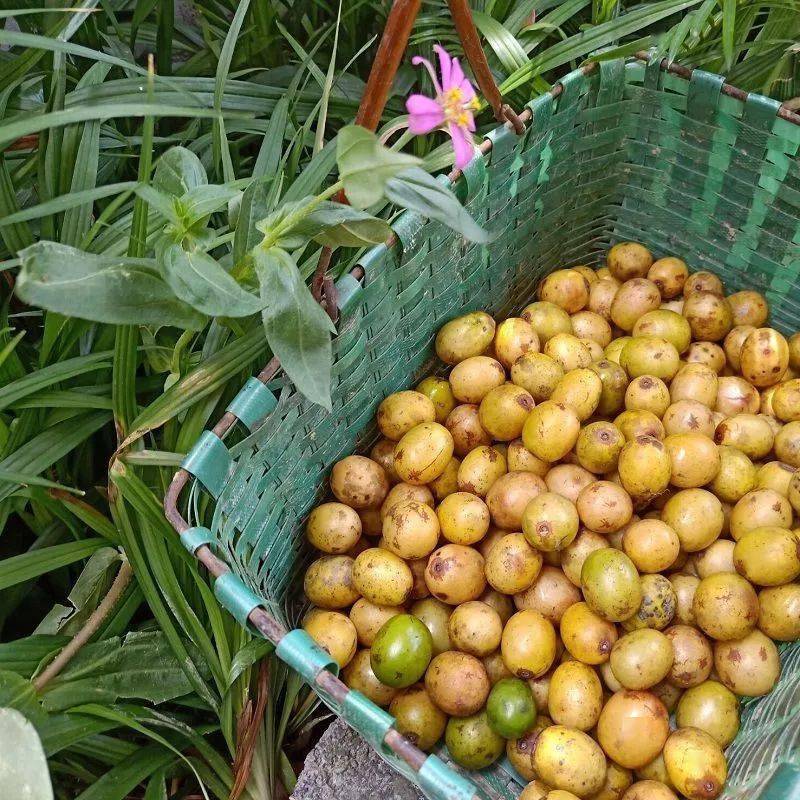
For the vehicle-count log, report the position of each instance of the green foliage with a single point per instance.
(159, 227)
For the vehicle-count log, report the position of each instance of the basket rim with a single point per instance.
(258, 617)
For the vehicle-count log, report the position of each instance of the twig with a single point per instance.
(89, 629)
(248, 727)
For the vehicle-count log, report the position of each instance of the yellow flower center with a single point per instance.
(455, 107)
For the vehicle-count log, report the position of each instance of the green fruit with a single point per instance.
(615, 382)
(611, 584)
(471, 741)
(401, 651)
(510, 708)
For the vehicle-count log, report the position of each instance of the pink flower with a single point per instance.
(450, 110)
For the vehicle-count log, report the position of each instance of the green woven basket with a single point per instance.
(671, 158)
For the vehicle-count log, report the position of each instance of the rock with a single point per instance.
(343, 766)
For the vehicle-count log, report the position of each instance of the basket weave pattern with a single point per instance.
(629, 151)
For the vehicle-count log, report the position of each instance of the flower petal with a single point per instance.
(462, 145)
(445, 66)
(456, 73)
(417, 60)
(424, 114)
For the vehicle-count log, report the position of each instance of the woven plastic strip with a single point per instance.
(439, 782)
(253, 402)
(347, 291)
(209, 461)
(237, 598)
(370, 721)
(304, 655)
(192, 538)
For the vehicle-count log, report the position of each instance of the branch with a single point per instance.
(90, 627)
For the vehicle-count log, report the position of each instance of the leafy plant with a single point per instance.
(160, 220)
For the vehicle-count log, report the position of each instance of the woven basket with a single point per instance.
(671, 158)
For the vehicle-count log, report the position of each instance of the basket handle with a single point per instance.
(392, 47)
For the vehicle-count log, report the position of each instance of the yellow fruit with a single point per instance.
(749, 666)
(382, 577)
(586, 635)
(423, 453)
(632, 728)
(528, 644)
(472, 379)
(514, 337)
(628, 260)
(547, 319)
(400, 412)
(695, 763)
(569, 760)
(550, 522)
(359, 482)
(479, 469)
(764, 357)
(768, 556)
(464, 337)
(575, 696)
(463, 517)
(411, 530)
(330, 583)
(455, 574)
(333, 632)
(512, 565)
(537, 373)
(725, 606)
(641, 659)
(475, 628)
(503, 411)
(712, 708)
(550, 431)
(457, 683)
(566, 288)
(333, 528)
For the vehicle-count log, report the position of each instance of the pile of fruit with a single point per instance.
(588, 527)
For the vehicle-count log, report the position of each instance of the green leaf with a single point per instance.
(161, 202)
(338, 225)
(255, 206)
(365, 165)
(67, 201)
(200, 281)
(728, 31)
(24, 655)
(119, 290)
(44, 449)
(23, 767)
(178, 171)
(85, 595)
(297, 329)
(142, 665)
(204, 380)
(12, 392)
(418, 191)
(122, 779)
(198, 203)
(25, 566)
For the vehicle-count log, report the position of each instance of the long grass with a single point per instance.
(164, 696)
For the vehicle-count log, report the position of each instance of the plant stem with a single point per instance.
(89, 629)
